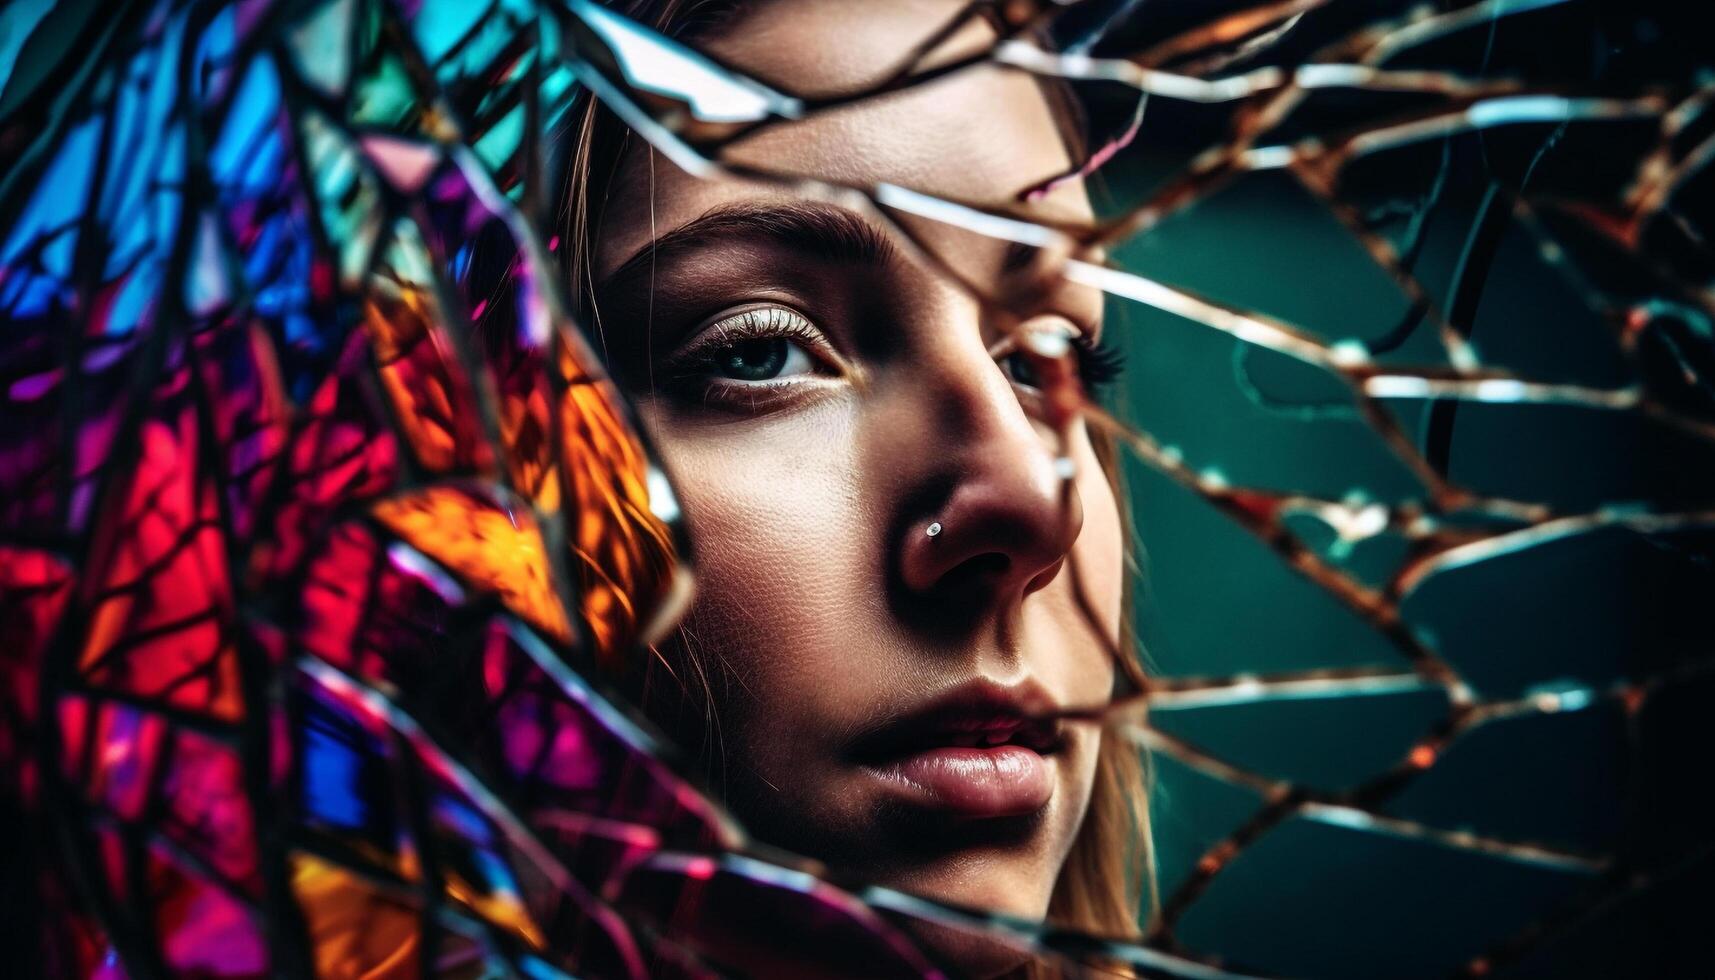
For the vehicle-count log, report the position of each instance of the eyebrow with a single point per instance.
(832, 234)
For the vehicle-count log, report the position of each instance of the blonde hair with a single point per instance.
(1109, 871)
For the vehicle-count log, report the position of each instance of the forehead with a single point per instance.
(980, 135)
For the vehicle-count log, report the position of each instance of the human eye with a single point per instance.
(754, 359)
(1099, 364)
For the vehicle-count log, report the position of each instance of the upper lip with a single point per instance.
(973, 713)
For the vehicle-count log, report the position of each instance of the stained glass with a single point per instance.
(324, 530)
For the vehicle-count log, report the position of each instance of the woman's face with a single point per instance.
(822, 399)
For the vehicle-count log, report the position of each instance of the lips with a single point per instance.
(975, 753)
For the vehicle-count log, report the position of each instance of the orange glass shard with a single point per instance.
(433, 402)
(491, 546)
(356, 932)
(624, 550)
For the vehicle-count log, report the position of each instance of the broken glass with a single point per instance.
(320, 518)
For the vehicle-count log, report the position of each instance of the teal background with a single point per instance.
(1310, 899)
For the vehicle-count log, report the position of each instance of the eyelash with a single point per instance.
(693, 372)
(760, 323)
(1099, 363)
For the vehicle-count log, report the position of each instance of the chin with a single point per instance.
(1020, 896)
(972, 953)
(1004, 866)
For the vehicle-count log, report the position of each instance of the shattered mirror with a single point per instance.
(683, 488)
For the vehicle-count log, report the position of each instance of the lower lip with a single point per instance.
(997, 781)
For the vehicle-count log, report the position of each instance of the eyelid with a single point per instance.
(1008, 344)
(741, 323)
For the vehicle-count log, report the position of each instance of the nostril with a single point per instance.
(976, 574)
(1001, 537)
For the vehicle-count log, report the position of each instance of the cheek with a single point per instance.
(1095, 566)
(1100, 548)
(774, 520)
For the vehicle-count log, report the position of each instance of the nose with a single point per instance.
(990, 489)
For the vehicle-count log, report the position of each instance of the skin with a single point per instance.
(823, 607)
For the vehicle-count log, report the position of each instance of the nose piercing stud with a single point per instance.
(935, 529)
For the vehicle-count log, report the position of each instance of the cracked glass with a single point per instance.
(324, 525)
